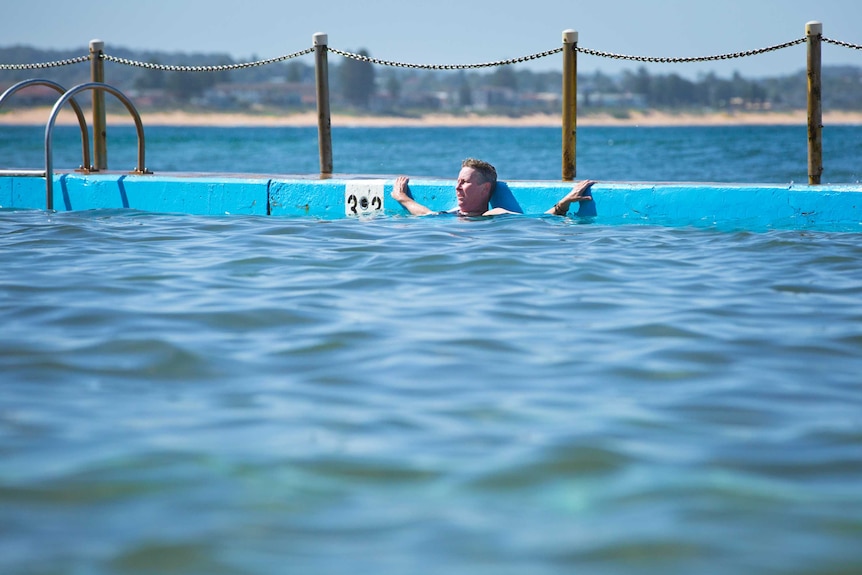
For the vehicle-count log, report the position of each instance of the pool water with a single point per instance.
(186, 394)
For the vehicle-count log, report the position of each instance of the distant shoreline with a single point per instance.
(39, 117)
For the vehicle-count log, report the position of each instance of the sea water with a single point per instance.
(744, 154)
(187, 394)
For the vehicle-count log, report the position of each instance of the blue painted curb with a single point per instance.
(753, 206)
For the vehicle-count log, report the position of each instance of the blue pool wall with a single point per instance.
(770, 205)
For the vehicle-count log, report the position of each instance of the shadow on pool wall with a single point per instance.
(746, 206)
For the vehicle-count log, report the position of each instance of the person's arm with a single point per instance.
(499, 212)
(401, 193)
(580, 193)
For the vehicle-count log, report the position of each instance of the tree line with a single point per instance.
(363, 86)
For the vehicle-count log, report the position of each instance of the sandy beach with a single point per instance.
(39, 116)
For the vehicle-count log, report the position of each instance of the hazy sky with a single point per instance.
(451, 31)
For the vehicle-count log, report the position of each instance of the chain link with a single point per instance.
(42, 65)
(370, 60)
(840, 43)
(221, 68)
(694, 59)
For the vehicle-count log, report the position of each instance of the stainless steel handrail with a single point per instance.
(49, 129)
(85, 134)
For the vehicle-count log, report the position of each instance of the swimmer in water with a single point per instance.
(476, 183)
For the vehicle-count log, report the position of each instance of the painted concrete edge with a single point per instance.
(614, 202)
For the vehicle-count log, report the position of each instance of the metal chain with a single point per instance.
(840, 43)
(362, 58)
(221, 68)
(44, 64)
(694, 59)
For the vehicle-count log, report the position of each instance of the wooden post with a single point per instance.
(570, 104)
(100, 133)
(324, 120)
(814, 34)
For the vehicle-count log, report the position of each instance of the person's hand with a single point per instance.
(400, 191)
(580, 193)
(401, 194)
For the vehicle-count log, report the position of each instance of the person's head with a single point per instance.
(476, 182)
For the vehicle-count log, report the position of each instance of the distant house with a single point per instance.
(612, 100)
(494, 97)
(426, 100)
(150, 98)
(277, 94)
(542, 101)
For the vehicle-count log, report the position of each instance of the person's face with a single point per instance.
(472, 191)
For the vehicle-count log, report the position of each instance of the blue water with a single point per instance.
(210, 395)
(771, 154)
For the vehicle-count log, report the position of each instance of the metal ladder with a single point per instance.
(86, 166)
(69, 96)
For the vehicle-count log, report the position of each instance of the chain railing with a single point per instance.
(217, 68)
(658, 60)
(390, 63)
(397, 64)
(43, 65)
(813, 38)
(844, 44)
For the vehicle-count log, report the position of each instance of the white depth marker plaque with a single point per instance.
(363, 197)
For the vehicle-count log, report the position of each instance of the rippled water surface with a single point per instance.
(213, 395)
